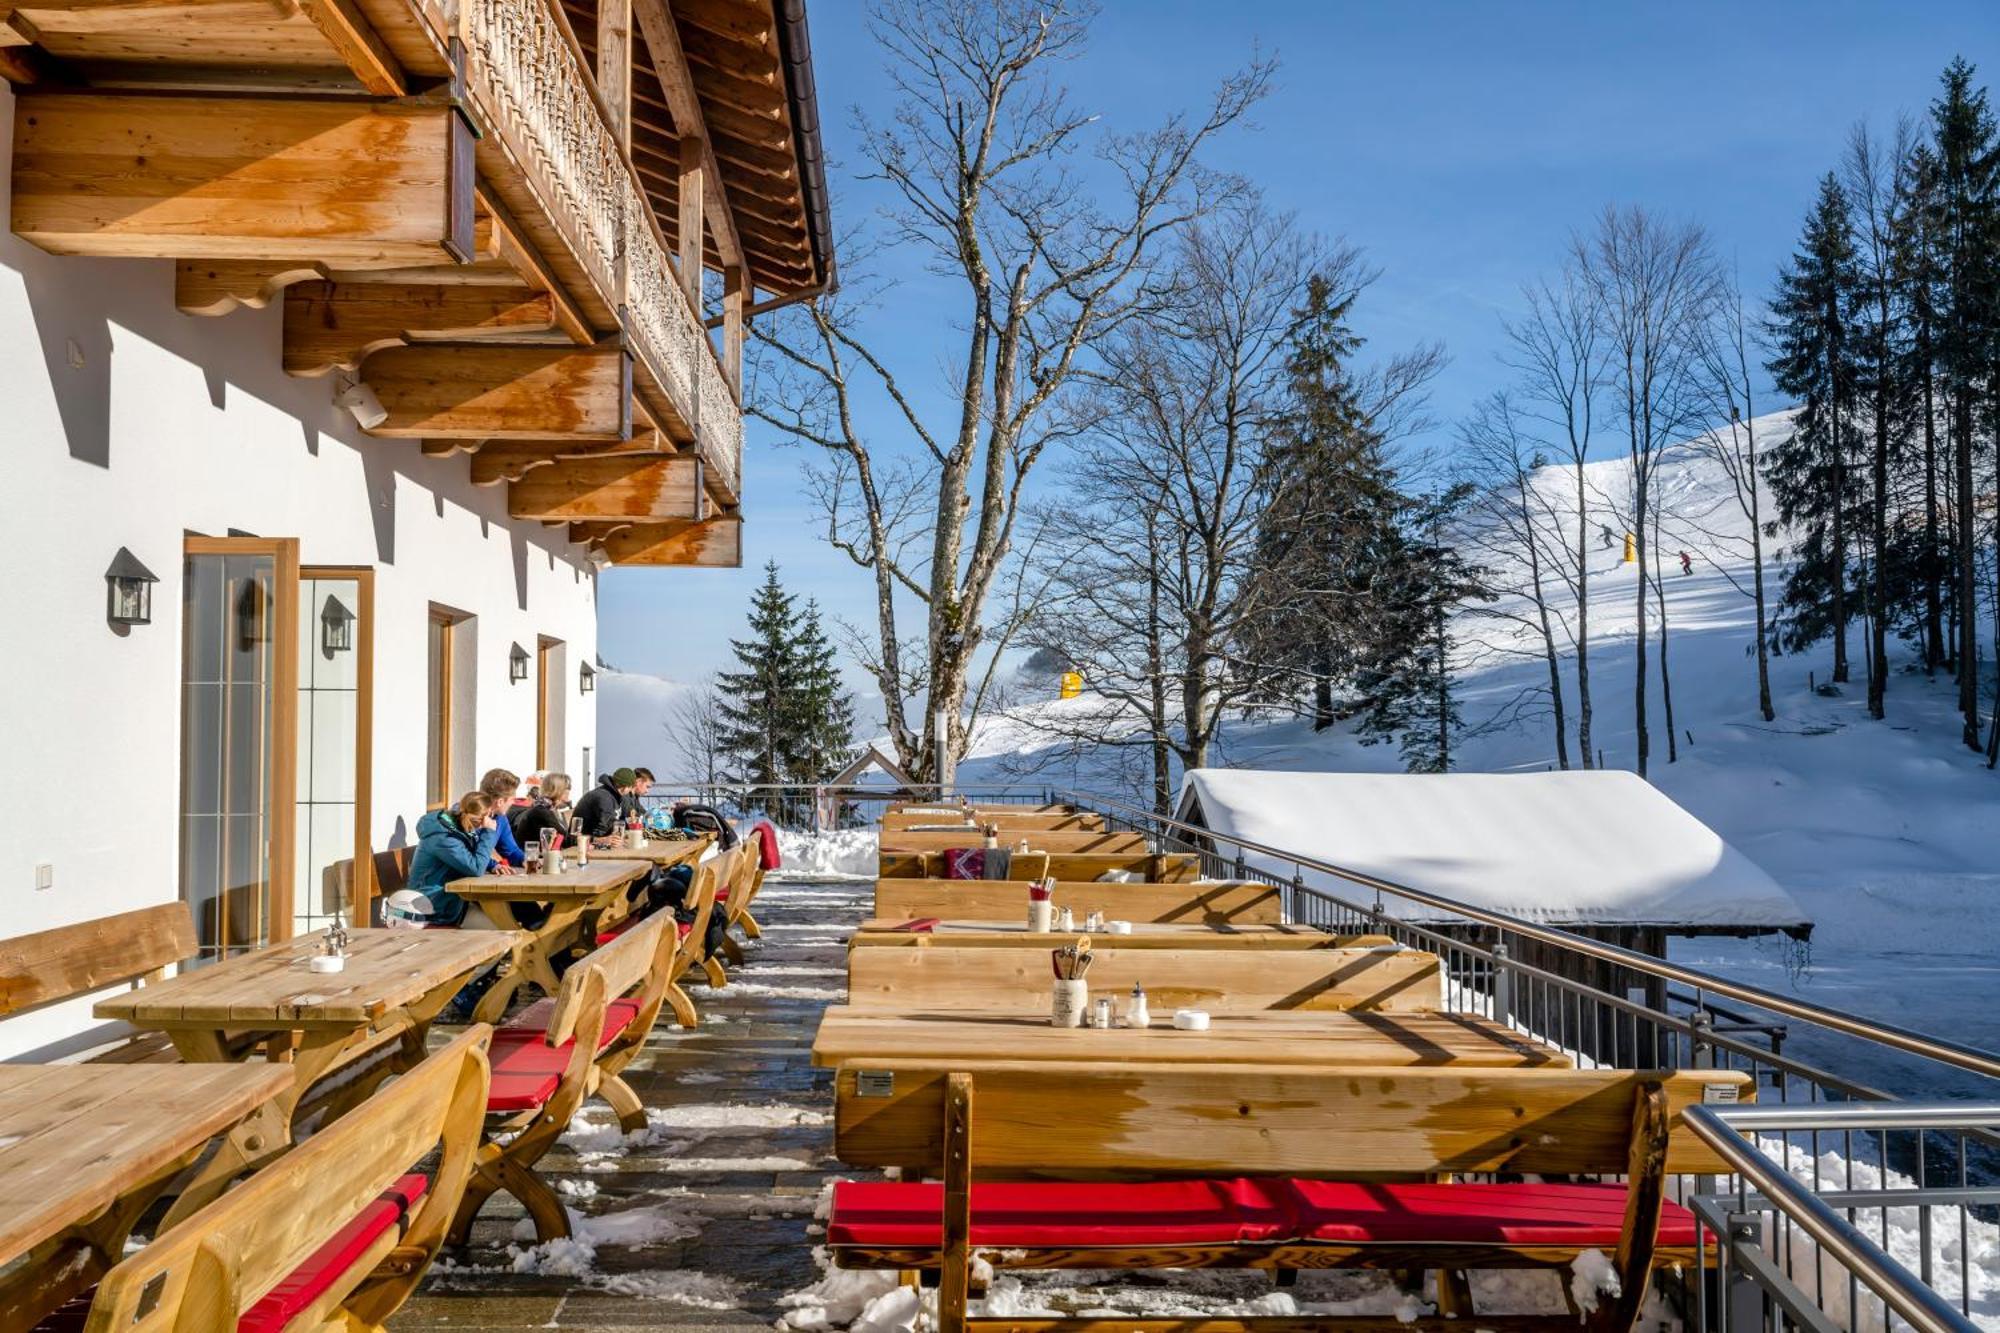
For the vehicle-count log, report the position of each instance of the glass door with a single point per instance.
(239, 730)
(336, 647)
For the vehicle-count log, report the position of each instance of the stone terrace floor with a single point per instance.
(704, 1222)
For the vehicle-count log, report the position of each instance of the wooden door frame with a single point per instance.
(281, 842)
(360, 908)
(449, 618)
(544, 682)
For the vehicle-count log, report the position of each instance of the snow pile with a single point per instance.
(841, 854)
(1607, 847)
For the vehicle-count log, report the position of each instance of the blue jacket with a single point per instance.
(505, 847)
(446, 852)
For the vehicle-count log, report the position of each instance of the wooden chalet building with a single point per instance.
(344, 342)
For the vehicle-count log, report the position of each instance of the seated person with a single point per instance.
(500, 787)
(547, 808)
(601, 812)
(453, 844)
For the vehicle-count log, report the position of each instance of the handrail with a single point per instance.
(1900, 1289)
(1972, 1058)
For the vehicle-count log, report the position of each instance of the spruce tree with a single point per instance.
(1968, 334)
(1812, 335)
(823, 735)
(1327, 527)
(759, 699)
(1921, 566)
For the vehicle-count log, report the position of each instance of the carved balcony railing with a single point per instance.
(531, 88)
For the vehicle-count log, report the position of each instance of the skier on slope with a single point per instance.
(1687, 564)
(1610, 537)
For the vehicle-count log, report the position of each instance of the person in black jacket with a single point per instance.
(601, 810)
(548, 808)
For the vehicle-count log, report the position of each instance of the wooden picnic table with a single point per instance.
(311, 1023)
(86, 1149)
(1274, 1037)
(575, 900)
(1145, 935)
(659, 852)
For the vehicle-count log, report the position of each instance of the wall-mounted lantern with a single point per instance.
(586, 678)
(128, 590)
(336, 626)
(517, 664)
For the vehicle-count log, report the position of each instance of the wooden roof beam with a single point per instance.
(670, 67)
(502, 392)
(337, 181)
(510, 460)
(643, 487)
(336, 325)
(711, 543)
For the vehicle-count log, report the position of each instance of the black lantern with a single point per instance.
(336, 626)
(517, 664)
(586, 679)
(128, 590)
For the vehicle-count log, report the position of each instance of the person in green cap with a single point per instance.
(596, 815)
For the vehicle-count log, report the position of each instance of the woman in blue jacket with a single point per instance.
(453, 844)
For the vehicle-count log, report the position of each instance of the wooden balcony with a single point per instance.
(488, 220)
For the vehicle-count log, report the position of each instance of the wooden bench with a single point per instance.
(557, 1053)
(747, 882)
(1388, 980)
(335, 1234)
(1074, 842)
(68, 962)
(998, 933)
(1247, 1166)
(1007, 900)
(1173, 868)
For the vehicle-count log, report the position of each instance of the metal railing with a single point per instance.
(1789, 1242)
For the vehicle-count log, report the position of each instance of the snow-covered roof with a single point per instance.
(1578, 848)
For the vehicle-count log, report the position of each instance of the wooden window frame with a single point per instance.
(281, 838)
(361, 908)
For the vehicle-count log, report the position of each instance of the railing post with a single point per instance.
(1701, 1039)
(1503, 986)
(1742, 1300)
(1242, 868)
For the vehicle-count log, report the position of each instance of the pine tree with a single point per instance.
(1327, 526)
(759, 700)
(1968, 333)
(823, 728)
(1812, 333)
(1920, 565)
(1407, 680)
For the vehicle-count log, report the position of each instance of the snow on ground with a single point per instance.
(1884, 831)
(843, 854)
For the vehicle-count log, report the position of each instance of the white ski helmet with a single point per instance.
(407, 909)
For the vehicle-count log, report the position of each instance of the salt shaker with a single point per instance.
(1101, 1013)
(1137, 1014)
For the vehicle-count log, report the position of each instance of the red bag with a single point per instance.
(965, 863)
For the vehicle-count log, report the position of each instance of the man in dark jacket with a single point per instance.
(599, 813)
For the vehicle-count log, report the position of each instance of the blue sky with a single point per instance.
(1457, 143)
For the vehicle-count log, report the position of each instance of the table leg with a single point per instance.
(74, 1261)
(265, 1133)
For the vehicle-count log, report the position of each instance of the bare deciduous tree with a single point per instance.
(1729, 384)
(1052, 262)
(1150, 556)
(695, 726)
(1560, 355)
(1652, 282)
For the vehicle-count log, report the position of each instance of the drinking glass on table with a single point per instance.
(547, 840)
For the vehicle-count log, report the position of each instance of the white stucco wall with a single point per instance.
(126, 423)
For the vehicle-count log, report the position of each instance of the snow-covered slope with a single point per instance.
(1885, 831)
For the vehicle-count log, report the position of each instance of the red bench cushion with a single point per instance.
(1580, 1215)
(331, 1261)
(898, 1214)
(526, 1069)
(605, 937)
